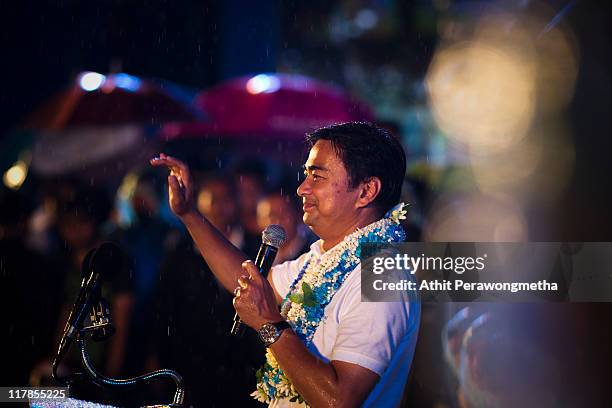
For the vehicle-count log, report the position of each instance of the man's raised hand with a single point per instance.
(180, 186)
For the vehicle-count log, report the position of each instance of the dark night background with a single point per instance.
(200, 43)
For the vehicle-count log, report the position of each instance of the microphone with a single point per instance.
(98, 264)
(273, 237)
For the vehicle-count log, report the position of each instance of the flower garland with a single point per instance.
(313, 289)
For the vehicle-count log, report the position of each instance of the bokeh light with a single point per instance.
(263, 83)
(488, 81)
(497, 87)
(90, 81)
(15, 176)
(509, 170)
(476, 218)
(482, 93)
(126, 82)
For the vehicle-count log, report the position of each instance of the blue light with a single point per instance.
(263, 83)
(90, 81)
(127, 82)
(366, 19)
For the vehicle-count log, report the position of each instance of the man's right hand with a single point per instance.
(180, 186)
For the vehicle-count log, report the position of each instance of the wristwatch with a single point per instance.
(270, 332)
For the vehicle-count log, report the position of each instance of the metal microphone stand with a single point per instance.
(101, 328)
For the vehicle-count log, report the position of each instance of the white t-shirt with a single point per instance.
(380, 336)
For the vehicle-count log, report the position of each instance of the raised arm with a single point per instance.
(223, 258)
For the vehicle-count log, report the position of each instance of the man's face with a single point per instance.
(328, 203)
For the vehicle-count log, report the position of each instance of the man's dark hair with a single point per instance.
(366, 151)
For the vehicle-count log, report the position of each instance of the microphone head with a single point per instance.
(274, 235)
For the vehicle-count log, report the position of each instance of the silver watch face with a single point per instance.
(268, 333)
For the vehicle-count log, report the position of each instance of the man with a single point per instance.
(337, 350)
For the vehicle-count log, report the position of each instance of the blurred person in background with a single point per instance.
(194, 313)
(276, 208)
(220, 199)
(146, 238)
(249, 176)
(42, 232)
(82, 213)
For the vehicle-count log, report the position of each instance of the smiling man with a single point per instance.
(325, 346)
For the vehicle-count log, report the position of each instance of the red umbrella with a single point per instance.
(98, 100)
(103, 125)
(271, 105)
